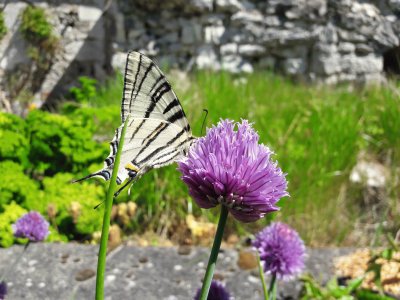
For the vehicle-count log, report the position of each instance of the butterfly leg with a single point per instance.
(130, 180)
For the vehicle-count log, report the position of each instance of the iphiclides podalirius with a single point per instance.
(158, 132)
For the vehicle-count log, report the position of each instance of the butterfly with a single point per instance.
(158, 132)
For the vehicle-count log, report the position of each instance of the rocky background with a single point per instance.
(322, 41)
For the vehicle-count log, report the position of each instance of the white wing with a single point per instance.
(158, 132)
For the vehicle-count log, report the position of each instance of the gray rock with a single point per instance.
(50, 271)
(370, 173)
(346, 47)
(328, 34)
(326, 64)
(351, 36)
(213, 34)
(294, 66)
(206, 58)
(362, 64)
(198, 6)
(363, 49)
(394, 4)
(118, 61)
(268, 62)
(235, 64)
(191, 32)
(272, 21)
(231, 6)
(251, 50)
(228, 49)
(243, 17)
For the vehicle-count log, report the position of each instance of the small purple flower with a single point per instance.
(282, 251)
(32, 226)
(217, 292)
(229, 167)
(3, 290)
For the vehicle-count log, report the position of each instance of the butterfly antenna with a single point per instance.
(98, 205)
(204, 120)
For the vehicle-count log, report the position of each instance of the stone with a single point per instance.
(326, 65)
(244, 17)
(191, 32)
(290, 52)
(198, 5)
(394, 4)
(235, 64)
(251, 50)
(213, 34)
(294, 66)
(230, 6)
(268, 62)
(206, 58)
(89, 13)
(370, 173)
(329, 34)
(363, 49)
(346, 47)
(362, 64)
(272, 21)
(351, 36)
(227, 49)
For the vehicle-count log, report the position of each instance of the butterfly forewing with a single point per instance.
(148, 94)
(158, 132)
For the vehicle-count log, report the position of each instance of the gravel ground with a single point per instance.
(67, 271)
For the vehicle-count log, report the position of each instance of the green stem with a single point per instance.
(214, 253)
(101, 262)
(272, 288)
(262, 277)
(12, 266)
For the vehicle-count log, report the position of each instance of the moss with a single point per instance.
(3, 28)
(34, 25)
(12, 212)
(15, 185)
(15, 144)
(38, 32)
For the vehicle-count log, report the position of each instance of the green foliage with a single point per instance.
(15, 185)
(86, 91)
(14, 142)
(38, 32)
(34, 25)
(61, 144)
(3, 27)
(73, 204)
(351, 291)
(12, 212)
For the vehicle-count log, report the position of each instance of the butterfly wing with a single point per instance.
(158, 132)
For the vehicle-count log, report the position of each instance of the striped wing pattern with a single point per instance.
(158, 132)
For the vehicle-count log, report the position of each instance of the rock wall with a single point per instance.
(328, 41)
(323, 41)
(84, 48)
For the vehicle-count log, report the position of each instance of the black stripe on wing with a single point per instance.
(154, 152)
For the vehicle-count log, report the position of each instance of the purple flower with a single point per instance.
(32, 226)
(3, 290)
(230, 168)
(217, 292)
(281, 250)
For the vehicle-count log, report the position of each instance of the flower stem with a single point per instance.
(101, 262)
(272, 288)
(214, 253)
(262, 277)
